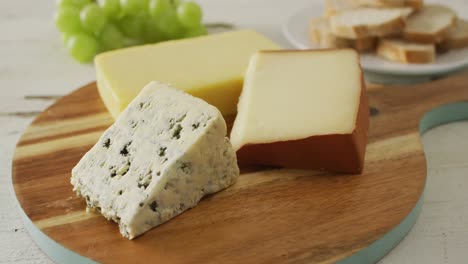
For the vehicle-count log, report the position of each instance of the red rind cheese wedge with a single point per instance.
(303, 109)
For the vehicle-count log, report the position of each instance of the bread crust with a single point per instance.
(454, 44)
(429, 38)
(394, 52)
(457, 42)
(392, 27)
(333, 7)
(324, 38)
(422, 36)
(416, 4)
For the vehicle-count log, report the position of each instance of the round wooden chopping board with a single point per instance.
(268, 216)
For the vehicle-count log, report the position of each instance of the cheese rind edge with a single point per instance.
(312, 116)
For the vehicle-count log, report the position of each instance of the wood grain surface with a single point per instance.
(270, 215)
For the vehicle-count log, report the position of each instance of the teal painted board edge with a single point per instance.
(381, 247)
(443, 115)
(371, 254)
(54, 250)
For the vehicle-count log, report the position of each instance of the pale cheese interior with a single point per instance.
(290, 95)
(210, 67)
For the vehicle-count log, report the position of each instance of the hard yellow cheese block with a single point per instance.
(210, 67)
(303, 109)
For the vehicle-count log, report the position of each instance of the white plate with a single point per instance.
(295, 29)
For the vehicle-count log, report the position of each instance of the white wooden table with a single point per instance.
(35, 70)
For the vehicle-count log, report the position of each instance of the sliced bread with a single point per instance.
(332, 7)
(406, 52)
(367, 22)
(321, 36)
(457, 37)
(430, 24)
(415, 4)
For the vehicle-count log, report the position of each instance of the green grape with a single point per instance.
(65, 37)
(170, 26)
(175, 3)
(68, 19)
(158, 8)
(111, 38)
(72, 3)
(195, 32)
(92, 18)
(82, 47)
(133, 26)
(133, 7)
(152, 34)
(110, 7)
(189, 14)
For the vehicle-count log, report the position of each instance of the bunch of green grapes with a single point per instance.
(89, 27)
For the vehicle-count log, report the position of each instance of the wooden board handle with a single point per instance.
(414, 103)
(434, 94)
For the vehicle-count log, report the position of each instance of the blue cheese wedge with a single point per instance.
(163, 154)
